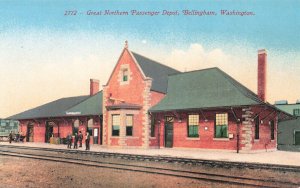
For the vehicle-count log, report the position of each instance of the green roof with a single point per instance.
(206, 88)
(86, 105)
(289, 108)
(157, 71)
(90, 106)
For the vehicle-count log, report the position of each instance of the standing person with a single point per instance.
(80, 138)
(87, 141)
(18, 137)
(75, 141)
(10, 137)
(69, 140)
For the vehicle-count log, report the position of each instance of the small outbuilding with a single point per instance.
(289, 131)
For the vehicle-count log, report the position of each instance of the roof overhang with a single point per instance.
(282, 115)
(124, 106)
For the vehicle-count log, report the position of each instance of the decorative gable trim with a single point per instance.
(134, 60)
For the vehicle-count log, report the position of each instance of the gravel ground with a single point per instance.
(20, 172)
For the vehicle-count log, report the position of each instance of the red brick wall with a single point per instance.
(23, 128)
(264, 141)
(132, 92)
(129, 93)
(39, 131)
(206, 138)
(65, 127)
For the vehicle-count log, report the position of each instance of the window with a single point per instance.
(256, 120)
(152, 126)
(115, 125)
(297, 137)
(272, 130)
(296, 112)
(221, 126)
(75, 127)
(129, 124)
(90, 127)
(193, 125)
(125, 75)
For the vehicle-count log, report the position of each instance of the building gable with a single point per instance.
(125, 62)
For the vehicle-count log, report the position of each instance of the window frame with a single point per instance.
(227, 126)
(256, 128)
(112, 125)
(125, 74)
(152, 130)
(75, 129)
(194, 127)
(296, 130)
(296, 112)
(272, 129)
(129, 115)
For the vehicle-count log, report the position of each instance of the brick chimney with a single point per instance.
(94, 86)
(262, 74)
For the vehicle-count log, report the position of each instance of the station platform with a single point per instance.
(269, 157)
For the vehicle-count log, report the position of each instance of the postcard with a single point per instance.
(143, 93)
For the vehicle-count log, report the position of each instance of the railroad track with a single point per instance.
(224, 179)
(165, 159)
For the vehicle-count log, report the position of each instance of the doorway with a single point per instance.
(95, 135)
(49, 132)
(297, 138)
(29, 134)
(169, 132)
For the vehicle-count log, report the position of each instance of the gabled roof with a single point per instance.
(206, 88)
(158, 72)
(90, 106)
(87, 104)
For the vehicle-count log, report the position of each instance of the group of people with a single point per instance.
(78, 137)
(18, 137)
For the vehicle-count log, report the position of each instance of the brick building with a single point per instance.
(289, 131)
(64, 116)
(145, 104)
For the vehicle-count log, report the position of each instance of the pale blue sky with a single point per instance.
(275, 25)
(46, 55)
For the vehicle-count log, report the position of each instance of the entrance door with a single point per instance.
(49, 132)
(297, 137)
(169, 135)
(29, 134)
(95, 135)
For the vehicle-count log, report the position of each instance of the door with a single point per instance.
(29, 134)
(49, 132)
(169, 132)
(297, 137)
(169, 135)
(96, 133)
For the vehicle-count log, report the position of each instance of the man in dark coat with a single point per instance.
(87, 141)
(80, 138)
(75, 141)
(10, 137)
(69, 140)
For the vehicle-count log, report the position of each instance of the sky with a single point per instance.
(46, 55)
